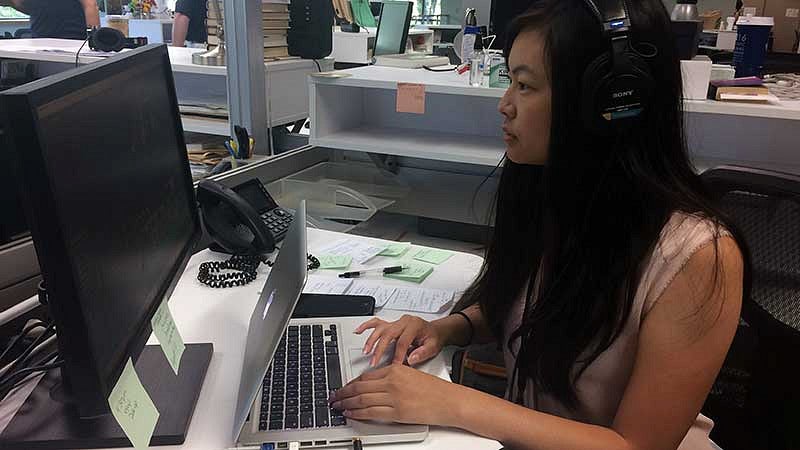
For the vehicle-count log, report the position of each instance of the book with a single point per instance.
(275, 41)
(276, 52)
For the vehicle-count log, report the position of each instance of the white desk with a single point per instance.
(461, 123)
(221, 316)
(193, 83)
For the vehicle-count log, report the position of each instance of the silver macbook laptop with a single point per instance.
(291, 366)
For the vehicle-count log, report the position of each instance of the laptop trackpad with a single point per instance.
(359, 362)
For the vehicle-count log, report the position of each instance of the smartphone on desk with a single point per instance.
(327, 305)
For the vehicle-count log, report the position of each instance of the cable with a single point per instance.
(25, 372)
(27, 353)
(36, 351)
(77, 55)
(319, 68)
(21, 336)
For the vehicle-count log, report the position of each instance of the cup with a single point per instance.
(751, 45)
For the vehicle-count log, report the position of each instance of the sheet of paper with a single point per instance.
(433, 256)
(396, 249)
(335, 261)
(132, 407)
(380, 292)
(317, 284)
(412, 271)
(361, 252)
(420, 300)
(168, 336)
(411, 98)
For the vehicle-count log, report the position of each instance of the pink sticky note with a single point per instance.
(411, 98)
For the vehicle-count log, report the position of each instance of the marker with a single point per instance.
(385, 271)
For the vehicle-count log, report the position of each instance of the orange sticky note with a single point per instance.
(411, 98)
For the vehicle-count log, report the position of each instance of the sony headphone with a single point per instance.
(107, 39)
(617, 85)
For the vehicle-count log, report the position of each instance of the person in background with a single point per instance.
(64, 19)
(190, 23)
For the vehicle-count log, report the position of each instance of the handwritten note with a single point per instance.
(420, 300)
(335, 261)
(361, 252)
(411, 98)
(168, 336)
(395, 250)
(413, 272)
(326, 285)
(133, 408)
(380, 292)
(433, 256)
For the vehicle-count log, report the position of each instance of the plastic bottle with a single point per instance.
(471, 34)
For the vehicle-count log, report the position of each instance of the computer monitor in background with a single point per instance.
(395, 20)
(105, 182)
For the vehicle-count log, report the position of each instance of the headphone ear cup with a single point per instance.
(595, 81)
(108, 40)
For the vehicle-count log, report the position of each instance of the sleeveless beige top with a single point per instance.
(601, 386)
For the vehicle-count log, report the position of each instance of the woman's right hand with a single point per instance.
(407, 331)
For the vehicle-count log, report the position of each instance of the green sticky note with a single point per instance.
(334, 261)
(133, 408)
(168, 336)
(413, 272)
(395, 250)
(433, 256)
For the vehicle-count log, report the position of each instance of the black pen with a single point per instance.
(385, 271)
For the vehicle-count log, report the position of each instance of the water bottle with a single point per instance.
(471, 33)
(685, 10)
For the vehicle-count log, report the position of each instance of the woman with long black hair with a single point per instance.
(611, 283)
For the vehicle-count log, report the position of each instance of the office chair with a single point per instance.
(755, 400)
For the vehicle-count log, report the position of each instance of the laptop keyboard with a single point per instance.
(303, 372)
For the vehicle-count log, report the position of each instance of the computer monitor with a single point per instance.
(395, 20)
(105, 182)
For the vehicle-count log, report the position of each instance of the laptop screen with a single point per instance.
(271, 315)
(393, 28)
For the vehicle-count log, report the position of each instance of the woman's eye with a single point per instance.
(522, 86)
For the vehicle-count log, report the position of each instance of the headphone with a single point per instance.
(107, 39)
(618, 84)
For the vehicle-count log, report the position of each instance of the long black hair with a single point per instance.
(587, 220)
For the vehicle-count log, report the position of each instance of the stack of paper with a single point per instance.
(420, 300)
(275, 22)
(361, 252)
(412, 271)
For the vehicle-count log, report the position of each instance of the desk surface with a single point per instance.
(63, 51)
(221, 316)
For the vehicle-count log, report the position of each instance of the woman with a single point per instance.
(637, 282)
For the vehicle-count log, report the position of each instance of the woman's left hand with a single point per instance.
(399, 393)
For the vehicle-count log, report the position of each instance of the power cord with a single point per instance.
(319, 68)
(77, 55)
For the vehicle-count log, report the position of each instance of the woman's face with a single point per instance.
(526, 105)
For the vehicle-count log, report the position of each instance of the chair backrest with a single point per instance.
(765, 206)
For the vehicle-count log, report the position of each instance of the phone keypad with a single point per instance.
(278, 221)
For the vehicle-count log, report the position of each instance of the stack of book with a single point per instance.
(275, 23)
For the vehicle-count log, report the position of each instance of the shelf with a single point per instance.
(206, 125)
(481, 150)
(378, 77)
(789, 110)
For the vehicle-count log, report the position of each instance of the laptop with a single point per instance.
(291, 366)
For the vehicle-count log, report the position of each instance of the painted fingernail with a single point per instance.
(337, 405)
(347, 413)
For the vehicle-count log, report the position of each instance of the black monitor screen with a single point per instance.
(123, 207)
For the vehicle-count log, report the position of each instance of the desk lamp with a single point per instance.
(214, 56)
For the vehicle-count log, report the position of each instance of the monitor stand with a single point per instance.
(45, 423)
